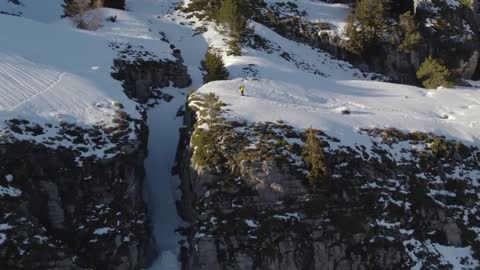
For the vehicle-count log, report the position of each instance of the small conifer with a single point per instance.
(314, 158)
(365, 25)
(433, 73)
(214, 67)
(411, 36)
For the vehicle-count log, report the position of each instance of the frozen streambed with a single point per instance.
(161, 185)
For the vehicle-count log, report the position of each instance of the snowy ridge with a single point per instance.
(319, 103)
(69, 82)
(31, 89)
(403, 154)
(304, 87)
(53, 73)
(56, 89)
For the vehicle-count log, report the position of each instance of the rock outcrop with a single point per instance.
(142, 78)
(143, 74)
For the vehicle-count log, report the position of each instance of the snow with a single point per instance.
(51, 72)
(102, 231)
(65, 62)
(31, 89)
(204, 126)
(58, 84)
(251, 223)
(461, 173)
(284, 91)
(334, 13)
(40, 238)
(43, 11)
(3, 238)
(70, 80)
(9, 191)
(164, 135)
(160, 184)
(315, 102)
(9, 177)
(4, 227)
(199, 235)
(434, 7)
(460, 258)
(388, 225)
(287, 216)
(467, 28)
(456, 256)
(453, 3)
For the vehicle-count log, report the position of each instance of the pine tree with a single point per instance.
(212, 109)
(232, 15)
(356, 42)
(467, 3)
(370, 14)
(411, 36)
(366, 25)
(214, 67)
(433, 73)
(314, 157)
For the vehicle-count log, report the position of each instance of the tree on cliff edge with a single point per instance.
(314, 158)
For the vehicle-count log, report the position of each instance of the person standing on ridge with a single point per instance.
(242, 90)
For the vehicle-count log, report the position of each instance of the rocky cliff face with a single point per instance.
(61, 213)
(397, 202)
(143, 74)
(72, 197)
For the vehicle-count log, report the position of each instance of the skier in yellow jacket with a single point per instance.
(242, 90)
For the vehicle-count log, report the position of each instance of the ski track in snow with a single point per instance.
(37, 92)
(21, 80)
(59, 78)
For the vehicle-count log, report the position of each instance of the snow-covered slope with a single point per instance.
(52, 73)
(304, 87)
(55, 76)
(55, 80)
(43, 11)
(334, 14)
(319, 103)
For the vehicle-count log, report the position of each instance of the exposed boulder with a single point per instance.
(143, 73)
(141, 78)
